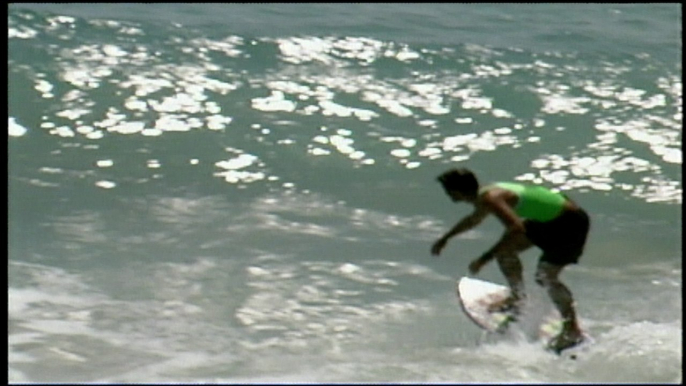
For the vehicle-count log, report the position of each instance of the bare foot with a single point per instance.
(509, 304)
(565, 340)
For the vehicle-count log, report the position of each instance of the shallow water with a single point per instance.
(246, 193)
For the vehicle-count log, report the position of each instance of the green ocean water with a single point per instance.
(246, 193)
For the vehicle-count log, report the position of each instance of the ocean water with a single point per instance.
(246, 193)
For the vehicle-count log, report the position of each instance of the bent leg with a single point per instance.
(511, 267)
(547, 276)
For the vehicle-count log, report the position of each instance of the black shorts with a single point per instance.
(562, 239)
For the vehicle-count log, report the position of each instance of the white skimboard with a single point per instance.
(476, 296)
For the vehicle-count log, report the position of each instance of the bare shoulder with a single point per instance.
(497, 196)
(501, 202)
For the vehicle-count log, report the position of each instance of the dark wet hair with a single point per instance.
(461, 180)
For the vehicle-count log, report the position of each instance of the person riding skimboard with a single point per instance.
(532, 215)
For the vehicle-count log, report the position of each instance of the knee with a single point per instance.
(547, 274)
(541, 278)
(509, 260)
(544, 279)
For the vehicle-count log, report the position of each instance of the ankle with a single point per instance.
(571, 326)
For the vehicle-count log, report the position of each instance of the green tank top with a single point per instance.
(535, 202)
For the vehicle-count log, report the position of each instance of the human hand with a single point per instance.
(438, 246)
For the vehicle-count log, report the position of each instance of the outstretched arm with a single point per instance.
(463, 225)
